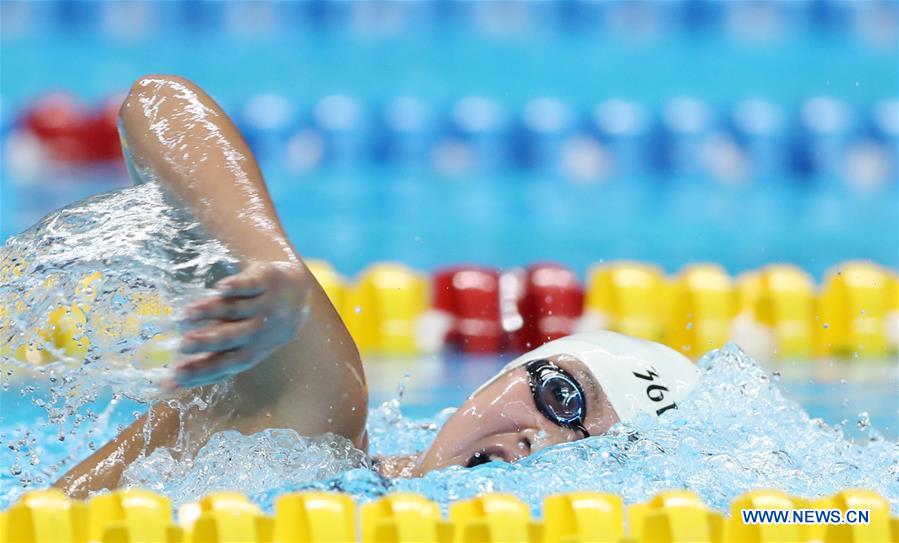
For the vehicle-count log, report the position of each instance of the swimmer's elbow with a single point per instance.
(160, 85)
(150, 91)
(160, 79)
(155, 116)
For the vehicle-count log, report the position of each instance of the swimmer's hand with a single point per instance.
(255, 312)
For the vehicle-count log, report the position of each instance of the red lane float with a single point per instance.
(470, 294)
(517, 310)
(70, 132)
(57, 120)
(552, 301)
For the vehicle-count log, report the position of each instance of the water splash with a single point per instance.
(98, 287)
(390, 433)
(90, 301)
(232, 460)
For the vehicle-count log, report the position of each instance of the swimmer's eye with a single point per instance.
(557, 395)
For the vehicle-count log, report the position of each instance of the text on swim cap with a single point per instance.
(655, 391)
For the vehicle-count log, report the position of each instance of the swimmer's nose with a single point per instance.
(525, 441)
(530, 439)
(509, 447)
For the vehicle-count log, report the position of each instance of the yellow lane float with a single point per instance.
(676, 516)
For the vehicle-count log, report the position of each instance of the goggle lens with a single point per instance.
(557, 394)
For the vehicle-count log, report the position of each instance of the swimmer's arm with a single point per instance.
(310, 379)
(309, 385)
(175, 133)
(103, 469)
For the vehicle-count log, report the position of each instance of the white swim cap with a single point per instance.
(637, 376)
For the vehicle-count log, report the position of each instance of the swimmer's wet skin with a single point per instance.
(292, 363)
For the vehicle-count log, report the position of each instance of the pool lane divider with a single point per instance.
(614, 139)
(774, 312)
(390, 309)
(675, 516)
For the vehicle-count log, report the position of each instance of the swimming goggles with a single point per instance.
(557, 395)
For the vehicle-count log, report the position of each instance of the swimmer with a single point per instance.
(272, 332)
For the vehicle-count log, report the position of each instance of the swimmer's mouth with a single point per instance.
(483, 457)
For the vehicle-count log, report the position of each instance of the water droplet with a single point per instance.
(864, 421)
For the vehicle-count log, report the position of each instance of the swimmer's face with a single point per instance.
(549, 401)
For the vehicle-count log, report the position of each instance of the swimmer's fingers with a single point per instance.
(226, 309)
(250, 282)
(222, 336)
(209, 368)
